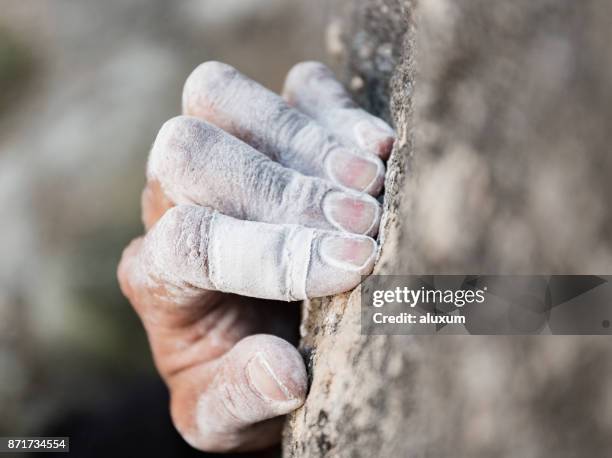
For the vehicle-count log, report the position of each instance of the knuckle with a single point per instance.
(303, 71)
(211, 73)
(125, 267)
(174, 229)
(306, 192)
(177, 143)
(293, 132)
(183, 420)
(176, 248)
(154, 203)
(205, 81)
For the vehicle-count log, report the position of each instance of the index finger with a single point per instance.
(312, 88)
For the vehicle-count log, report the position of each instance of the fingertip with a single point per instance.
(351, 253)
(356, 213)
(364, 173)
(377, 184)
(384, 147)
(338, 263)
(375, 136)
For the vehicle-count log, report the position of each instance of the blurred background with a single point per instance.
(84, 87)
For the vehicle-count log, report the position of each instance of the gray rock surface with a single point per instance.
(503, 165)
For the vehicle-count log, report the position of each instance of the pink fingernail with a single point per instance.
(374, 138)
(356, 214)
(264, 380)
(351, 253)
(354, 171)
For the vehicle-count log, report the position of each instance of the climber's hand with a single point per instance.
(249, 196)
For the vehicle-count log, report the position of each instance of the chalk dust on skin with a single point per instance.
(261, 378)
(305, 140)
(194, 248)
(240, 181)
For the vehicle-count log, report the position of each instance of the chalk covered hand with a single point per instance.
(251, 199)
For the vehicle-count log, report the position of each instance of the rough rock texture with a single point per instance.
(503, 165)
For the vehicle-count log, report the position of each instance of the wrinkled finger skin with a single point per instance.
(191, 336)
(223, 96)
(230, 360)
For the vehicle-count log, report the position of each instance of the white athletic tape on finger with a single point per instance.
(258, 259)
